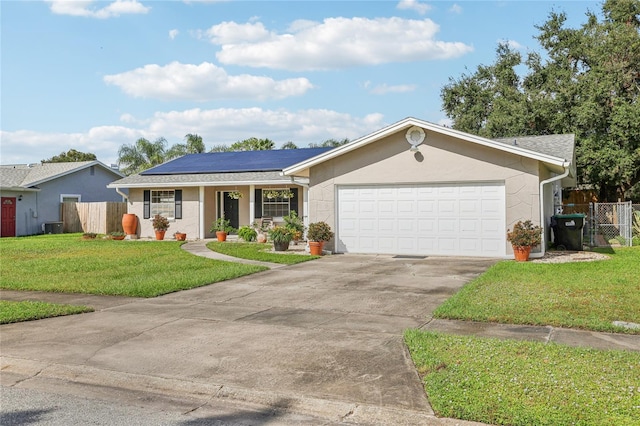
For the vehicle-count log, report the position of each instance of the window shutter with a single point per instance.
(146, 211)
(293, 201)
(258, 204)
(178, 203)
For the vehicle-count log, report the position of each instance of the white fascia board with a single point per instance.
(409, 122)
(19, 189)
(197, 184)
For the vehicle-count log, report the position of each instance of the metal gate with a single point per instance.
(611, 224)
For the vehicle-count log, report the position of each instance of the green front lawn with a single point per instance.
(27, 311)
(526, 383)
(257, 251)
(67, 263)
(587, 295)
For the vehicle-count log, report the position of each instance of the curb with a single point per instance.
(19, 372)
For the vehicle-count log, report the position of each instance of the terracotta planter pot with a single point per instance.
(221, 236)
(160, 235)
(180, 236)
(521, 253)
(129, 223)
(315, 248)
(261, 238)
(119, 238)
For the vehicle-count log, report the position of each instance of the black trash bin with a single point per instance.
(567, 231)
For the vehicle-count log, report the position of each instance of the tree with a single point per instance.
(329, 143)
(220, 148)
(142, 155)
(71, 156)
(588, 84)
(253, 144)
(289, 145)
(193, 145)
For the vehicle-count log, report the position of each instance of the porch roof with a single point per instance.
(204, 179)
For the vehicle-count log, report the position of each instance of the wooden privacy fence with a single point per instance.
(101, 218)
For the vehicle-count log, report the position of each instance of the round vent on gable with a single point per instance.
(415, 136)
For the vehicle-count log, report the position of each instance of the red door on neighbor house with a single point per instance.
(8, 221)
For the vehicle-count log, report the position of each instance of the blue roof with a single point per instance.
(237, 161)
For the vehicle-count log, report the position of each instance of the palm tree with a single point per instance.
(193, 145)
(142, 155)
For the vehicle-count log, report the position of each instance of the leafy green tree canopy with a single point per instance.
(253, 144)
(134, 158)
(71, 156)
(329, 143)
(587, 82)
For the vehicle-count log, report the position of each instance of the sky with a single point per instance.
(96, 75)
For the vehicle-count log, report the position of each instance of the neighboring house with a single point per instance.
(411, 188)
(31, 193)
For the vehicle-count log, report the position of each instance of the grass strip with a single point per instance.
(586, 295)
(526, 383)
(257, 251)
(11, 312)
(68, 264)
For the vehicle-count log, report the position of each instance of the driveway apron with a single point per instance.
(329, 329)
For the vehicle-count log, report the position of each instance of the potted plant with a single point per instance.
(294, 223)
(180, 236)
(524, 237)
(222, 227)
(247, 233)
(317, 234)
(281, 237)
(160, 225)
(117, 235)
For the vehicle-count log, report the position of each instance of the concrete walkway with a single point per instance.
(199, 248)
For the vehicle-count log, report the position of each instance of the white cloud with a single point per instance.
(215, 126)
(173, 34)
(231, 32)
(512, 44)
(334, 43)
(84, 8)
(383, 89)
(456, 8)
(203, 82)
(421, 8)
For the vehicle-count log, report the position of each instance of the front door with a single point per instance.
(8, 226)
(231, 210)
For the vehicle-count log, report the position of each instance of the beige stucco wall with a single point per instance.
(442, 159)
(190, 222)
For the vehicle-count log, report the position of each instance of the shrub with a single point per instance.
(280, 234)
(247, 233)
(524, 234)
(160, 223)
(222, 225)
(319, 231)
(293, 222)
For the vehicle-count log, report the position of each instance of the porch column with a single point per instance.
(252, 204)
(201, 205)
(305, 206)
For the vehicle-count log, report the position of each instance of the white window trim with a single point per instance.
(288, 201)
(78, 196)
(171, 217)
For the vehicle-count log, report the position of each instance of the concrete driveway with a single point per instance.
(322, 338)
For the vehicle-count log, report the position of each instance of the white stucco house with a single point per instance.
(411, 188)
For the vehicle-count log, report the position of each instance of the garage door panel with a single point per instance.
(439, 219)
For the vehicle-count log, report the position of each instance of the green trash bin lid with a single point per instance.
(571, 216)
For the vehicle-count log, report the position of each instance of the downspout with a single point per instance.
(123, 195)
(543, 243)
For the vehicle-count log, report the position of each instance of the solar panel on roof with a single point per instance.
(237, 161)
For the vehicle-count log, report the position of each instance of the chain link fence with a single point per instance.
(608, 224)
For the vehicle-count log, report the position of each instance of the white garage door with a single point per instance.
(445, 219)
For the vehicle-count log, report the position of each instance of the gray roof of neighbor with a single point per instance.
(559, 146)
(29, 175)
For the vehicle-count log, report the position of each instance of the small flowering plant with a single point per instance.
(525, 234)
